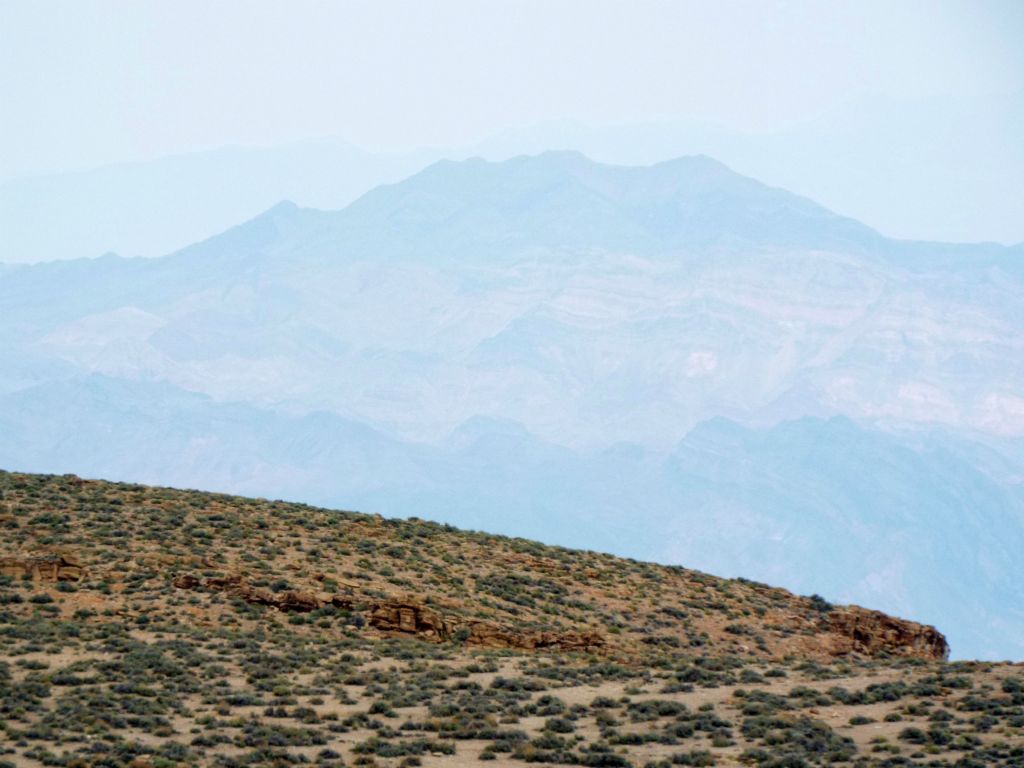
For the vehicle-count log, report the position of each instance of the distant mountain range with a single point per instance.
(148, 208)
(882, 162)
(673, 362)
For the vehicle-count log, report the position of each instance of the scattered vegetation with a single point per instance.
(108, 663)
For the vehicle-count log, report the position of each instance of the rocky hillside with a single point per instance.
(178, 555)
(146, 626)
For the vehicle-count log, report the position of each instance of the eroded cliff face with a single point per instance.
(873, 633)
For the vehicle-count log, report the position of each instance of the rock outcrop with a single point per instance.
(52, 567)
(842, 630)
(291, 601)
(400, 616)
(872, 633)
(410, 618)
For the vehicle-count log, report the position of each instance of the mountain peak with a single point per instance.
(281, 208)
(563, 200)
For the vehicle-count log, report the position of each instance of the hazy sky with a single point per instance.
(88, 83)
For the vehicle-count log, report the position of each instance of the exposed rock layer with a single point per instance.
(45, 567)
(850, 629)
(400, 617)
(872, 633)
(291, 601)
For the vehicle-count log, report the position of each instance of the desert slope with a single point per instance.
(423, 579)
(152, 626)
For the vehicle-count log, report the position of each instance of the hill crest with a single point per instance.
(407, 578)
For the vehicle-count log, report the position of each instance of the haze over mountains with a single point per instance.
(149, 208)
(672, 362)
(883, 162)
